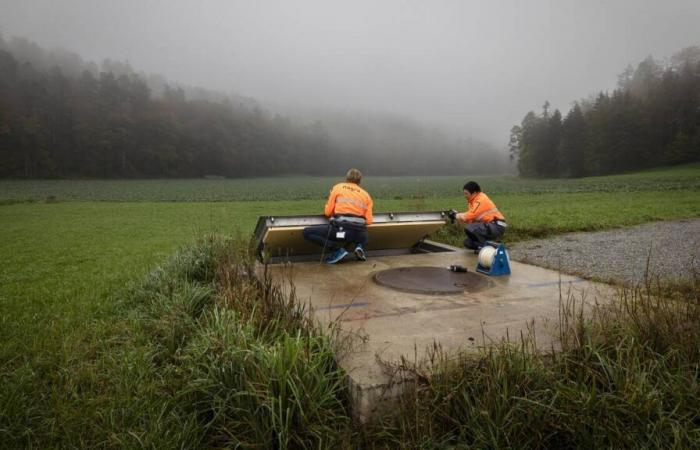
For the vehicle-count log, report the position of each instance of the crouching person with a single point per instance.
(349, 209)
(484, 222)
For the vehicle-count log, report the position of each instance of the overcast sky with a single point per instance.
(474, 66)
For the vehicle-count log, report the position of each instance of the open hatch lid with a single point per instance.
(282, 236)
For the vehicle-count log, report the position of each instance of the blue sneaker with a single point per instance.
(360, 253)
(337, 256)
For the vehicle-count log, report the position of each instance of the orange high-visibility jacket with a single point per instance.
(481, 209)
(349, 198)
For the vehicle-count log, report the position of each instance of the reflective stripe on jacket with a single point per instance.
(349, 198)
(481, 209)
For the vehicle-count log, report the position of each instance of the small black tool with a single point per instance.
(457, 268)
(452, 214)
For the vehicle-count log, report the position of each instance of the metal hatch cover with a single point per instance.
(283, 236)
(431, 280)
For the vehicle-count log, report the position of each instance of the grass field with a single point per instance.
(67, 261)
(305, 187)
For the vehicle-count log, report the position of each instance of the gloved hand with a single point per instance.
(452, 214)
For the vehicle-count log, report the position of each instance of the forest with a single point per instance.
(64, 117)
(651, 119)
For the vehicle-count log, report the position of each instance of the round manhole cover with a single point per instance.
(431, 280)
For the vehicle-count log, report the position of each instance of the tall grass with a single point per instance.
(204, 355)
(207, 353)
(627, 376)
(251, 368)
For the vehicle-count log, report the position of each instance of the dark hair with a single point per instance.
(472, 187)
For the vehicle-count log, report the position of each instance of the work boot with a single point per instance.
(360, 253)
(337, 256)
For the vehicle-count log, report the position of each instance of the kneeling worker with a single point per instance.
(349, 208)
(484, 221)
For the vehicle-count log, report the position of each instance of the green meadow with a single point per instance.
(306, 187)
(72, 250)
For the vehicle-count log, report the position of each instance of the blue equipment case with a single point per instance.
(500, 264)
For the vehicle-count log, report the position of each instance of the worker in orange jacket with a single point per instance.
(349, 209)
(484, 222)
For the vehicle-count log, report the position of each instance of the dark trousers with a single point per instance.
(479, 233)
(327, 236)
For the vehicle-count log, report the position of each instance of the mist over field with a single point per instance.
(233, 88)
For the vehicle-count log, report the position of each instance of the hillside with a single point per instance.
(63, 117)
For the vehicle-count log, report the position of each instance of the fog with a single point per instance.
(473, 68)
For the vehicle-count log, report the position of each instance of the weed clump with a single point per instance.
(245, 365)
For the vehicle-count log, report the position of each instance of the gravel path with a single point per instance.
(620, 255)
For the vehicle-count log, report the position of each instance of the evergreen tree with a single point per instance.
(571, 161)
(550, 166)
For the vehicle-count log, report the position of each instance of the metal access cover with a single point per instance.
(283, 236)
(431, 280)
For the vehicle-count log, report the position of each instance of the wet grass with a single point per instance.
(83, 364)
(199, 353)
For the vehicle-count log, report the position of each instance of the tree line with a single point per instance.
(652, 118)
(63, 117)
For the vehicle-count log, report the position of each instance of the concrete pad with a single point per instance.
(391, 324)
